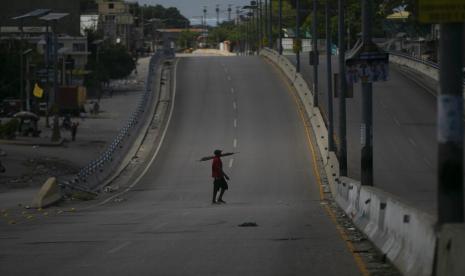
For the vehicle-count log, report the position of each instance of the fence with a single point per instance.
(90, 177)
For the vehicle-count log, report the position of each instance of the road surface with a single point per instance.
(404, 134)
(167, 225)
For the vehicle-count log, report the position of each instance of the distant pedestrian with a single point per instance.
(95, 108)
(74, 127)
(219, 178)
(2, 169)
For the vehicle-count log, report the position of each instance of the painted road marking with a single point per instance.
(234, 105)
(229, 78)
(119, 247)
(231, 161)
(232, 90)
(412, 142)
(235, 143)
(357, 258)
(160, 226)
(396, 121)
(382, 104)
(428, 162)
(235, 123)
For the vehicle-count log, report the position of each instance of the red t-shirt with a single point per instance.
(217, 167)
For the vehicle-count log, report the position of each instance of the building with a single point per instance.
(116, 21)
(168, 38)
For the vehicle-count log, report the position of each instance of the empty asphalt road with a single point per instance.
(404, 132)
(166, 224)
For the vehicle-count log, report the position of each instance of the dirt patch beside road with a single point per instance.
(35, 171)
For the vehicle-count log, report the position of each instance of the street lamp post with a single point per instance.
(280, 27)
(21, 18)
(270, 25)
(315, 54)
(265, 21)
(328, 78)
(342, 92)
(367, 106)
(28, 77)
(54, 17)
(259, 25)
(297, 34)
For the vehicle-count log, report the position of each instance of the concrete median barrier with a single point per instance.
(49, 194)
(451, 248)
(406, 235)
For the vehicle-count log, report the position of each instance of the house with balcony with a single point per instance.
(117, 23)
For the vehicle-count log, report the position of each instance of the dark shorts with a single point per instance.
(220, 184)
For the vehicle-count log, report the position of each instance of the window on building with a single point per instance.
(111, 6)
(79, 47)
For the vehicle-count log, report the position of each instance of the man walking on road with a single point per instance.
(219, 182)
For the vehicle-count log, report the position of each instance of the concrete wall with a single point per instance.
(423, 68)
(406, 235)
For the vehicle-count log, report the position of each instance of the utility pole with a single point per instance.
(205, 26)
(21, 64)
(260, 24)
(217, 14)
(265, 22)
(280, 26)
(297, 34)
(229, 12)
(270, 25)
(247, 36)
(316, 56)
(450, 125)
(342, 92)
(367, 106)
(328, 79)
(257, 27)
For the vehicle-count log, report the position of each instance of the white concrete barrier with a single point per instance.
(423, 68)
(451, 248)
(405, 234)
(48, 194)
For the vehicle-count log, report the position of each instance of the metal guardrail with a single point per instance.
(426, 62)
(90, 176)
(419, 60)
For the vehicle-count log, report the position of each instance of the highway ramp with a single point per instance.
(166, 225)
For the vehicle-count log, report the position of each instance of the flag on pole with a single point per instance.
(38, 92)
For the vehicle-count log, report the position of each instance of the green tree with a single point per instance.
(165, 17)
(117, 61)
(9, 70)
(187, 39)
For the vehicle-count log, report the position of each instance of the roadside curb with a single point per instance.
(33, 143)
(406, 235)
(152, 139)
(119, 153)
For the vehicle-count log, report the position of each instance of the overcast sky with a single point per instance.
(193, 8)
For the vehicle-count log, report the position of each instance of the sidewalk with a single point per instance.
(28, 166)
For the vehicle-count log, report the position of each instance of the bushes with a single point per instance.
(8, 130)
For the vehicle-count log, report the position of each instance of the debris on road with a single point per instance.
(119, 199)
(248, 224)
(110, 189)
